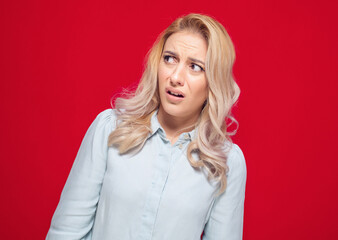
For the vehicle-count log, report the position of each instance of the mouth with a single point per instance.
(175, 94)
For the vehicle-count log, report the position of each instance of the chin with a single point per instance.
(174, 110)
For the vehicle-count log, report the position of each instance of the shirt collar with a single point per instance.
(156, 127)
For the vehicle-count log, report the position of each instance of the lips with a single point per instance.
(174, 92)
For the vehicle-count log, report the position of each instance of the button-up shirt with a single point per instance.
(154, 194)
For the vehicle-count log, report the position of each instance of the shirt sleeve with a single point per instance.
(226, 216)
(74, 215)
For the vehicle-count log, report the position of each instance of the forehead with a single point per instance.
(187, 43)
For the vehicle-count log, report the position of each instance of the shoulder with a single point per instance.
(105, 120)
(108, 114)
(236, 161)
(235, 153)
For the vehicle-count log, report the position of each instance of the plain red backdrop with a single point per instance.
(62, 61)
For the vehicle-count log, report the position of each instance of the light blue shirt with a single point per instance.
(152, 195)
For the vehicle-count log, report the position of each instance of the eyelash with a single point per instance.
(202, 69)
(166, 59)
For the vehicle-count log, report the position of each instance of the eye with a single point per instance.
(169, 59)
(196, 68)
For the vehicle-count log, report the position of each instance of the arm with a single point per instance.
(226, 217)
(74, 216)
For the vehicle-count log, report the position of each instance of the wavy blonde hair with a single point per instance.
(134, 110)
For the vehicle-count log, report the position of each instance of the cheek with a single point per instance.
(164, 72)
(202, 88)
(160, 77)
(161, 80)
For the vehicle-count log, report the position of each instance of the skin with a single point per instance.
(181, 72)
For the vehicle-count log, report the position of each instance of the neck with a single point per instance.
(174, 126)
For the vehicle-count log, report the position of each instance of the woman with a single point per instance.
(161, 165)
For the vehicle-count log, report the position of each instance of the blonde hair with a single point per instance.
(134, 110)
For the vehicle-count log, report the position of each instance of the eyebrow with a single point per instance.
(190, 58)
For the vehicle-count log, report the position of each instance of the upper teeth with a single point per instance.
(176, 94)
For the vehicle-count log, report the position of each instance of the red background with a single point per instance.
(62, 61)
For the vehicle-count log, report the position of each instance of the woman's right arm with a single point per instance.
(74, 216)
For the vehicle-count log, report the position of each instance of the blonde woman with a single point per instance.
(161, 164)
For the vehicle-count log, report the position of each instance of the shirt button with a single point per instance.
(180, 146)
(186, 136)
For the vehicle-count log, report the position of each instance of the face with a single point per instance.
(182, 82)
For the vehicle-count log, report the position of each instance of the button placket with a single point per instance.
(159, 180)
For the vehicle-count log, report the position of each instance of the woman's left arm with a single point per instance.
(226, 217)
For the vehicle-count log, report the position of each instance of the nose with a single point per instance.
(177, 76)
